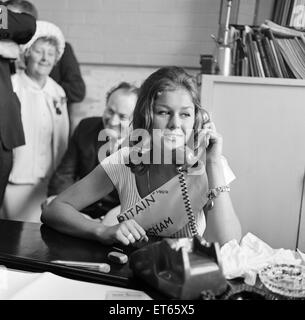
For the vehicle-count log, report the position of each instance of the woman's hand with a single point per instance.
(126, 232)
(213, 142)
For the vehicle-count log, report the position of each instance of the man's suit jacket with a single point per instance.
(68, 75)
(80, 159)
(21, 28)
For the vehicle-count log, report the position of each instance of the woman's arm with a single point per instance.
(222, 222)
(63, 212)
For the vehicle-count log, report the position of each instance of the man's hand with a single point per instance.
(9, 49)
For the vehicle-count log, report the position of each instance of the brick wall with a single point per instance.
(116, 40)
(100, 78)
(246, 12)
(136, 32)
(126, 40)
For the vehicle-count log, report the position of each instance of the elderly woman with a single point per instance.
(45, 122)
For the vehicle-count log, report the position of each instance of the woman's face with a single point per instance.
(174, 116)
(41, 58)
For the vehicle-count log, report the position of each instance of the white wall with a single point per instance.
(262, 121)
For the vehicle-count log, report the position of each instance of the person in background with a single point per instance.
(66, 72)
(22, 6)
(45, 122)
(153, 192)
(82, 155)
(68, 75)
(21, 28)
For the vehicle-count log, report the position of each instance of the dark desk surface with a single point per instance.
(32, 247)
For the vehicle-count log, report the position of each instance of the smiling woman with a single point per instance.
(153, 195)
(41, 58)
(45, 122)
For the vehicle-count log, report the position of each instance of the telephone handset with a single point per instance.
(187, 156)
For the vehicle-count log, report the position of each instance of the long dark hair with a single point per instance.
(164, 79)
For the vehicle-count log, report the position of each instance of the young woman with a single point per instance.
(45, 123)
(157, 196)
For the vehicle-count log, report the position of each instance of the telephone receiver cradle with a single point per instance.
(180, 268)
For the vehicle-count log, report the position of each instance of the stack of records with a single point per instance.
(269, 50)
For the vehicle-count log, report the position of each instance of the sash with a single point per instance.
(163, 212)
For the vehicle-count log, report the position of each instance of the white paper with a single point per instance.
(13, 281)
(48, 286)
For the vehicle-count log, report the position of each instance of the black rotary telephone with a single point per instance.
(185, 268)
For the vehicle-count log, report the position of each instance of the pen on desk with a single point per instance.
(102, 267)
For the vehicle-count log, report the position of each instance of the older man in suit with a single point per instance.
(20, 29)
(82, 155)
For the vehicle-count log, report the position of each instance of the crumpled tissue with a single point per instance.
(247, 258)
(302, 255)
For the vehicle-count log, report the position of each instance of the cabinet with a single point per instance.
(262, 121)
